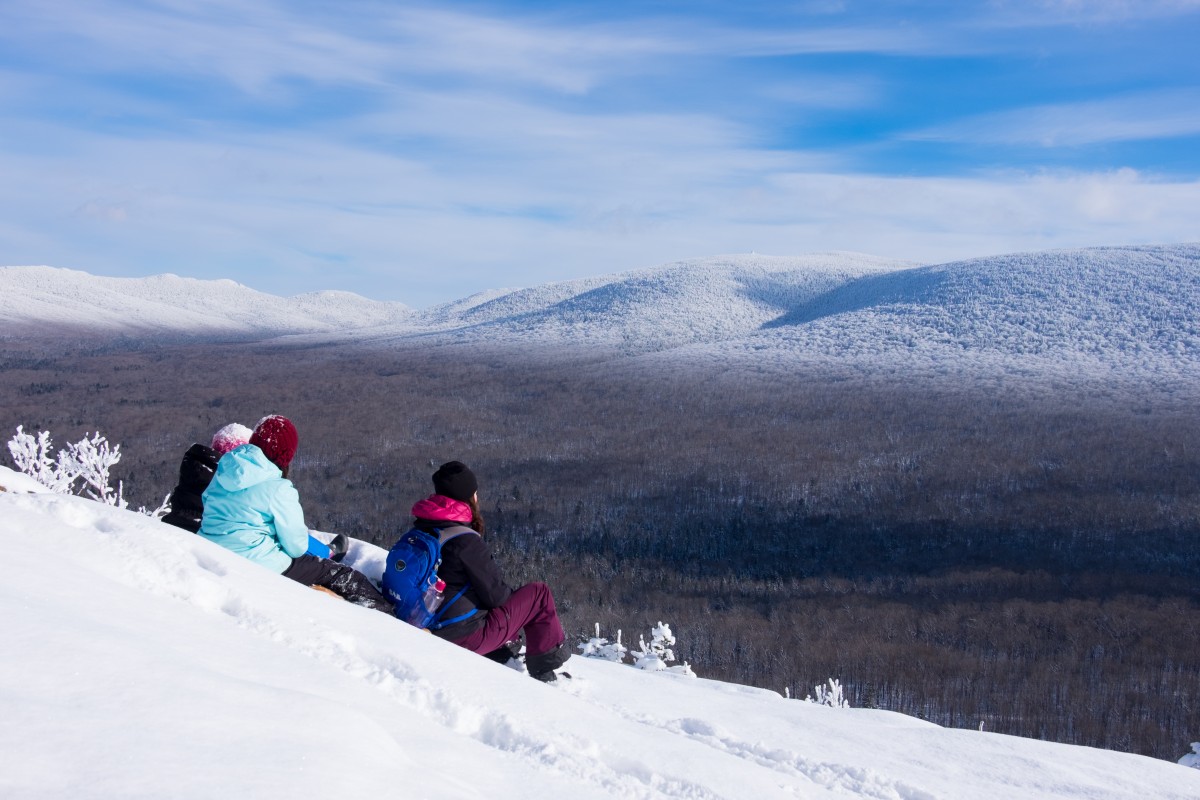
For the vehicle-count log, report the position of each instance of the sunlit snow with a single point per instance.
(143, 661)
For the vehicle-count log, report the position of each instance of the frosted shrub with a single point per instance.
(88, 460)
(655, 656)
(1192, 759)
(830, 695)
(599, 647)
(92, 459)
(32, 456)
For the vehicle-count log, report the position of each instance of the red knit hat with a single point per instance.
(276, 436)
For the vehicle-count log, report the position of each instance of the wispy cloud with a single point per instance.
(372, 44)
(1152, 115)
(454, 148)
(264, 210)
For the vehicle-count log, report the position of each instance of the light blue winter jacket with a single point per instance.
(251, 509)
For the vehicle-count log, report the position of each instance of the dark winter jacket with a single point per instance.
(466, 560)
(195, 473)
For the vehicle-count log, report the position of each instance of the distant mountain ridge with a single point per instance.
(676, 304)
(52, 297)
(1135, 310)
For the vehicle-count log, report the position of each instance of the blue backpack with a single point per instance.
(410, 577)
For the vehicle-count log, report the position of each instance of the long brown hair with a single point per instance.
(477, 523)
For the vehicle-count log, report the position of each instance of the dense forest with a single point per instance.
(1022, 556)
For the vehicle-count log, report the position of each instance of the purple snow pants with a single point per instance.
(530, 608)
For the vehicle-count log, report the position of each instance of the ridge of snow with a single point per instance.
(53, 295)
(1129, 312)
(664, 306)
(157, 664)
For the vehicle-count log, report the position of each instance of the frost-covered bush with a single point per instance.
(830, 695)
(31, 455)
(86, 462)
(1192, 759)
(599, 647)
(655, 656)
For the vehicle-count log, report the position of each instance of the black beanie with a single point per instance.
(455, 480)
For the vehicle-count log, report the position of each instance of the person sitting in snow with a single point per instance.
(195, 473)
(251, 508)
(484, 614)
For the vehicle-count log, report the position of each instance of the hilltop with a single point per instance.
(1124, 313)
(156, 664)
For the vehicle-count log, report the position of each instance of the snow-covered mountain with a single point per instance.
(1129, 312)
(143, 661)
(69, 299)
(687, 302)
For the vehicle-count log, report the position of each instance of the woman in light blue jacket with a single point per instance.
(251, 508)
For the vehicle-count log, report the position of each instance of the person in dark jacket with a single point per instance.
(483, 613)
(195, 474)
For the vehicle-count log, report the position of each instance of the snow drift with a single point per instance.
(143, 661)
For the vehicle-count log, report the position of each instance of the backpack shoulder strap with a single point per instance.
(451, 532)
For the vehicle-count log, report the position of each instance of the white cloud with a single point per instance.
(276, 212)
(257, 45)
(468, 158)
(1153, 115)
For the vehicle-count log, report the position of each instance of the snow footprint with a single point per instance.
(837, 777)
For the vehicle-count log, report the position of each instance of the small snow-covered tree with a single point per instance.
(830, 695)
(88, 460)
(163, 509)
(599, 647)
(31, 455)
(655, 656)
(94, 458)
(1192, 759)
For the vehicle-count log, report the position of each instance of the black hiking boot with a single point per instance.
(338, 547)
(505, 653)
(541, 667)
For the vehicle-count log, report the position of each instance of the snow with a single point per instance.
(686, 302)
(12, 481)
(143, 661)
(1117, 315)
(74, 299)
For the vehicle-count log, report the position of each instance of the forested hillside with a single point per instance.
(1014, 555)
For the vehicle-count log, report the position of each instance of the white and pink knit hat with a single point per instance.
(231, 436)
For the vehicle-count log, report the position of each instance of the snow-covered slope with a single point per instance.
(143, 661)
(1132, 313)
(686, 302)
(48, 296)
(1095, 301)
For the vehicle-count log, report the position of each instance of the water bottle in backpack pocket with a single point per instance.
(432, 601)
(410, 577)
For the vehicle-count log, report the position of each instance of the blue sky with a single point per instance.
(423, 152)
